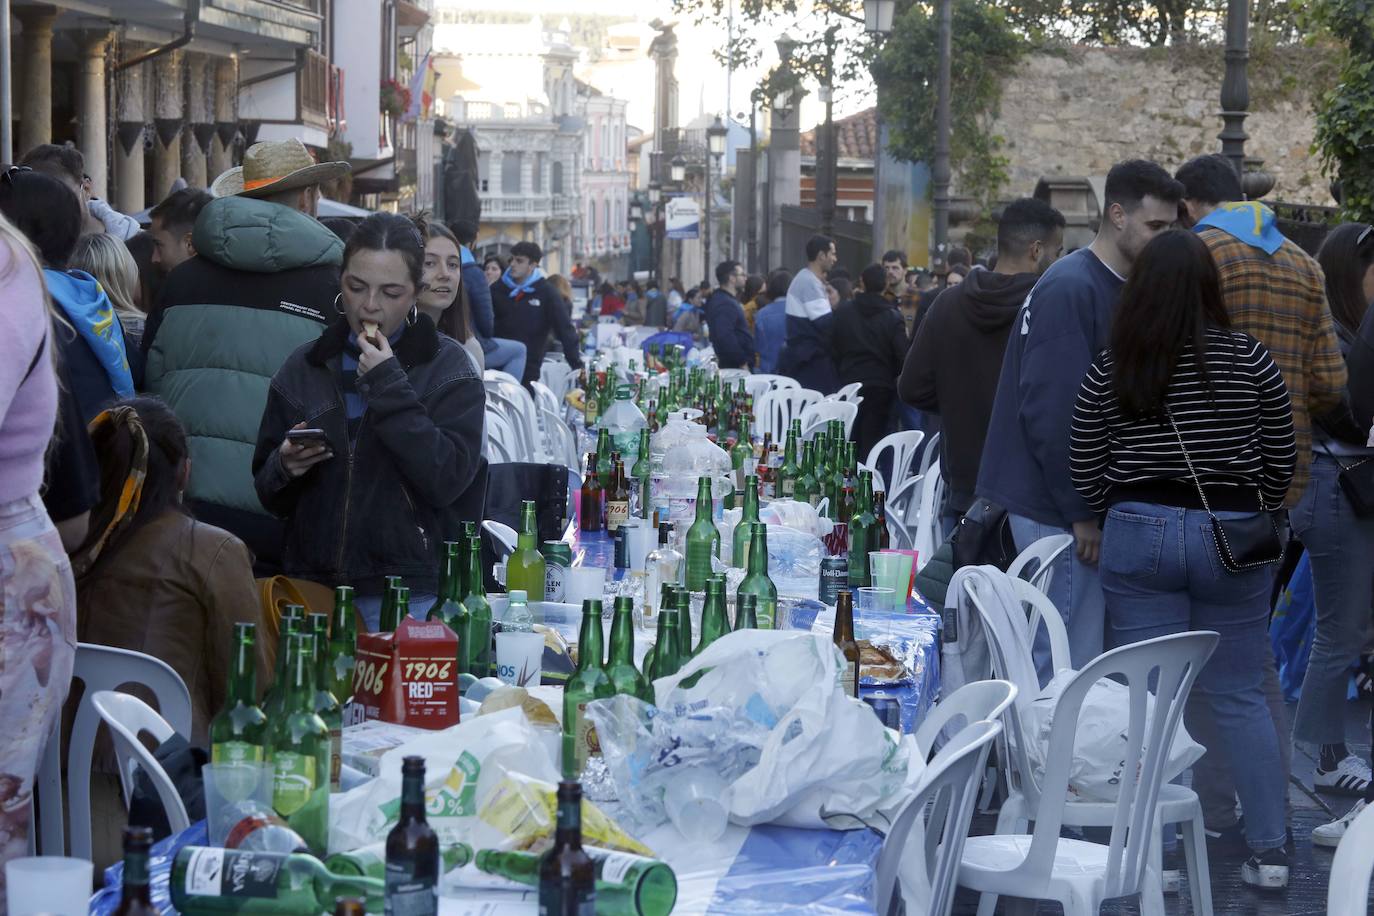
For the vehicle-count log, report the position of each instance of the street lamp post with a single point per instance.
(878, 21)
(1235, 90)
(940, 170)
(715, 148)
(655, 193)
(677, 169)
(826, 163)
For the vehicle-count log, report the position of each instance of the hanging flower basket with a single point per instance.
(395, 98)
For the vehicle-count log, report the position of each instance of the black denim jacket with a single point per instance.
(383, 503)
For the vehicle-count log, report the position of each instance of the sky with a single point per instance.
(704, 86)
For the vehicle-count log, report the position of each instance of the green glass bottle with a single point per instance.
(567, 876)
(525, 568)
(212, 880)
(626, 884)
(642, 477)
(326, 704)
(448, 606)
(370, 861)
(684, 625)
(474, 645)
(757, 583)
(239, 733)
(665, 659)
(589, 682)
(591, 401)
(714, 621)
(401, 601)
(603, 458)
(805, 484)
(620, 667)
(300, 753)
(343, 643)
(742, 453)
(746, 612)
(789, 471)
(739, 553)
(276, 692)
(863, 533)
(703, 540)
(390, 614)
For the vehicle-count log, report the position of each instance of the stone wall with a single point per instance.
(1077, 111)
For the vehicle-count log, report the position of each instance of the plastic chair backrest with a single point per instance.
(98, 668)
(504, 535)
(1035, 564)
(903, 446)
(496, 375)
(773, 412)
(128, 717)
(502, 444)
(544, 398)
(1347, 894)
(1173, 663)
(928, 454)
(562, 442)
(899, 506)
(849, 392)
(1042, 612)
(973, 702)
(558, 376)
(734, 375)
(520, 410)
(937, 816)
(816, 415)
(928, 533)
(761, 383)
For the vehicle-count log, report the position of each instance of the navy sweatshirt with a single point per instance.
(1065, 321)
(730, 336)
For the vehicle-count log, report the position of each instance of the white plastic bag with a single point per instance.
(827, 760)
(1099, 747)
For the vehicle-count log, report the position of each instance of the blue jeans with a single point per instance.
(508, 356)
(370, 607)
(1340, 545)
(1161, 575)
(1075, 590)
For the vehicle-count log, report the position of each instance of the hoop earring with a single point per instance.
(414, 315)
(337, 309)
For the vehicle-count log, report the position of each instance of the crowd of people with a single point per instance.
(242, 389)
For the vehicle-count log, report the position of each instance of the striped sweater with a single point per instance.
(1239, 432)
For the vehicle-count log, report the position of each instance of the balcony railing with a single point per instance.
(515, 208)
(313, 85)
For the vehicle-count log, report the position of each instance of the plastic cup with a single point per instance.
(48, 884)
(892, 570)
(697, 802)
(234, 791)
(519, 657)
(872, 611)
(583, 582)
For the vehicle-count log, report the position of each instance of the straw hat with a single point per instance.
(274, 166)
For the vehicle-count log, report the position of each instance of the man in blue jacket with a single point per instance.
(730, 336)
(1065, 321)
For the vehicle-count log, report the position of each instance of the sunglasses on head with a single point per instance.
(8, 174)
(1365, 236)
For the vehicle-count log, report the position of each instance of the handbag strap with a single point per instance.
(1189, 461)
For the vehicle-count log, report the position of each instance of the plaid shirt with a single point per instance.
(1281, 301)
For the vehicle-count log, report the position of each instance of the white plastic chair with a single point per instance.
(928, 533)
(503, 534)
(1347, 894)
(849, 392)
(903, 445)
(761, 383)
(496, 375)
(936, 820)
(544, 398)
(98, 668)
(817, 415)
(774, 411)
(502, 445)
(1035, 564)
(974, 702)
(559, 377)
(561, 441)
(1078, 874)
(903, 503)
(522, 414)
(929, 454)
(731, 376)
(128, 717)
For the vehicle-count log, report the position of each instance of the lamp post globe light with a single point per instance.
(878, 16)
(715, 137)
(678, 169)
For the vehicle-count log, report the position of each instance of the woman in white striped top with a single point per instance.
(1173, 355)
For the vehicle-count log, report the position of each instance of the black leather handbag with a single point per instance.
(1357, 483)
(1243, 544)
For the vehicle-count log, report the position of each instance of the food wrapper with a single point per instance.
(486, 784)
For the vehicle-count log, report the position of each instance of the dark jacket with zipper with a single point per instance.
(869, 340)
(530, 318)
(730, 336)
(1350, 421)
(383, 503)
(806, 354)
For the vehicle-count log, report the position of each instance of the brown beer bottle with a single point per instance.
(349, 906)
(844, 641)
(617, 498)
(591, 508)
(412, 849)
(135, 898)
(567, 875)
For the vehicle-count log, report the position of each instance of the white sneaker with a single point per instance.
(1350, 777)
(1329, 835)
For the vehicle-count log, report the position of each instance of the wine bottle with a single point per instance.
(665, 657)
(343, 642)
(474, 644)
(756, 581)
(626, 884)
(788, 472)
(238, 734)
(300, 752)
(746, 612)
(326, 705)
(589, 682)
(620, 667)
(703, 540)
(210, 880)
(370, 861)
(276, 692)
(714, 622)
(739, 552)
(863, 533)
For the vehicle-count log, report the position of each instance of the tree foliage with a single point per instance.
(1345, 122)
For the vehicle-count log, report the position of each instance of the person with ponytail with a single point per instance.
(370, 447)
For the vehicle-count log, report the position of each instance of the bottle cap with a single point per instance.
(517, 595)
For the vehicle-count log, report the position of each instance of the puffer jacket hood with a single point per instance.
(259, 236)
(991, 300)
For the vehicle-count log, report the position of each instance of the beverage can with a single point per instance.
(557, 559)
(887, 706)
(834, 577)
(621, 547)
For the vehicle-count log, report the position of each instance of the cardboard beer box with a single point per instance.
(409, 677)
